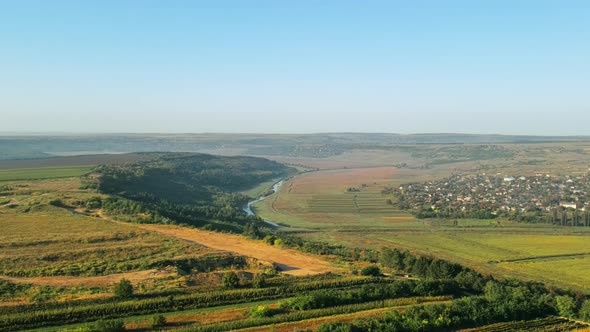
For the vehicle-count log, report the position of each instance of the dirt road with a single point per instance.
(289, 261)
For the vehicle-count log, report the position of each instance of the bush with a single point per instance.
(565, 305)
(584, 312)
(230, 280)
(94, 202)
(335, 327)
(158, 321)
(124, 289)
(269, 239)
(108, 326)
(264, 311)
(259, 281)
(57, 202)
(372, 270)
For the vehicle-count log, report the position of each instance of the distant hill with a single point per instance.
(292, 145)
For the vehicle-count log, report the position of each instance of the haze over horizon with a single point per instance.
(500, 67)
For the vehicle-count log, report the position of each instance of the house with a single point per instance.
(568, 205)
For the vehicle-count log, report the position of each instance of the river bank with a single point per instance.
(248, 207)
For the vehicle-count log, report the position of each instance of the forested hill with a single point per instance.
(187, 177)
(187, 188)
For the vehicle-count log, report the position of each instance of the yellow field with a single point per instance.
(52, 241)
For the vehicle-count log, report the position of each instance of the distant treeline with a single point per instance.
(310, 145)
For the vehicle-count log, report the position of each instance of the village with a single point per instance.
(535, 198)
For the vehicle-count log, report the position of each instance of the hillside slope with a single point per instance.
(187, 188)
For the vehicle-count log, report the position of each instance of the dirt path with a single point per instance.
(68, 281)
(288, 260)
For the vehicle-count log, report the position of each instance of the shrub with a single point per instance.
(94, 202)
(584, 312)
(230, 280)
(158, 321)
(335, 327)
(269, 239)
(259, 281)
(108, 326)
(124, 289)
(565, 305)
(372, 270)
(264, 311)
(57, 202)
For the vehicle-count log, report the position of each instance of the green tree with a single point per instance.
(252, 231)
(392, 258)
(335, 327)
(230, 280)
(584, 312)
(371, 271)
(94, 202)
(259, 281)
(123, 289)
(566, 306)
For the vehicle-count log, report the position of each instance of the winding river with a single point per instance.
(248, 207)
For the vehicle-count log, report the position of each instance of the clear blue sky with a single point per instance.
(295, 66)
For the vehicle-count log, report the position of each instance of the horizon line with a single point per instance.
(74, 133)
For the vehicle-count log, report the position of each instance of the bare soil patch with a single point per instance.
(106, 280)
(289, 261)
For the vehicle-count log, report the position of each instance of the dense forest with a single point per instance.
(188, 188)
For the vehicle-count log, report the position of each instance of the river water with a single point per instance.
(248, 207)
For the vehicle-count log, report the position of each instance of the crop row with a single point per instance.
(76, 314)
(546, 324)
(311, 314)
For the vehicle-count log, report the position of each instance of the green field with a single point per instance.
(365, 202)
(323, 200)
(550, 254)
(43, 173)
